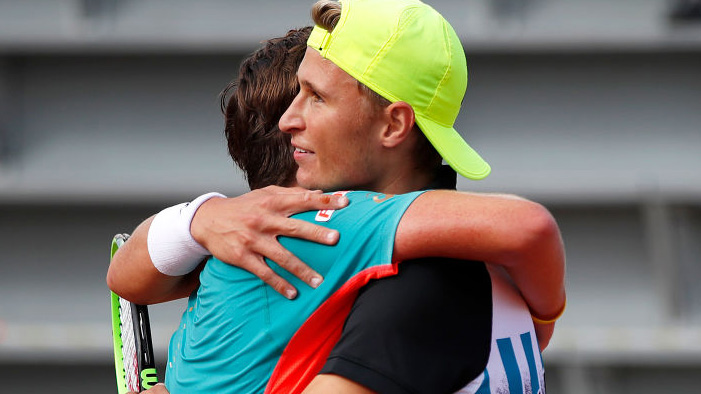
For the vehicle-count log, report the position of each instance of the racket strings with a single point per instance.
(129, 355)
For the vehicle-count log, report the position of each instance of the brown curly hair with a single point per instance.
(253, 104)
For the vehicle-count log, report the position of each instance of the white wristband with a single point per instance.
(170, 244)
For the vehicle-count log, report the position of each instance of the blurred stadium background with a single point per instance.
(109, 112)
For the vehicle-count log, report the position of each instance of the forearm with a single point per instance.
(133, 276)
(512, 232)
(538, 270)
(240, 231)
(544, 333)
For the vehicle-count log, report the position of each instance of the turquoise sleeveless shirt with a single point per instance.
(235, 327)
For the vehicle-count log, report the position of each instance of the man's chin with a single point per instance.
(312, 183)
(306, 181)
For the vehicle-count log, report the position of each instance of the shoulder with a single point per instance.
(377, 197)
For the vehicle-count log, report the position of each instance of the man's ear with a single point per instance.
(400, 121)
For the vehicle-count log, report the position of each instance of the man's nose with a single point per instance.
(291, 121)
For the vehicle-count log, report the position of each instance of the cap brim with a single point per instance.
(454, 150)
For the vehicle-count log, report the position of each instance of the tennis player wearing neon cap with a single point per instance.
(406, 53)
(320, 100)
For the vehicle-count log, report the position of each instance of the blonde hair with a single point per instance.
(326, 13)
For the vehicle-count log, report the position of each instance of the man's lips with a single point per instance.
(301, 153)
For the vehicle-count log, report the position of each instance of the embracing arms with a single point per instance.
(505, 230)
(240, 231)
(133, 276)
(509, 231)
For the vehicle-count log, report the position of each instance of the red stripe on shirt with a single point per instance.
(308, 349)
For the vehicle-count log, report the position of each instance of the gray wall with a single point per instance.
(109, 112)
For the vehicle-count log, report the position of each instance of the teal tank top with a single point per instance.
(235, 327)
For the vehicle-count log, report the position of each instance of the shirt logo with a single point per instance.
(384, 197)
(325, 214)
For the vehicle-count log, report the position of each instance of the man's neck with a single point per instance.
(443, 177)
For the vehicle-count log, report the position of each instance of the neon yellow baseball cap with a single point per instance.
(406, 51)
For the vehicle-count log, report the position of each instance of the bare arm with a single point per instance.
(133, 276)
(520, 235)
(240, 231)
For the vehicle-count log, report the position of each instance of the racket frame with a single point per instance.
(147, 375)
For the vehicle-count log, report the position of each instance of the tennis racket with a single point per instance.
(131, 335)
